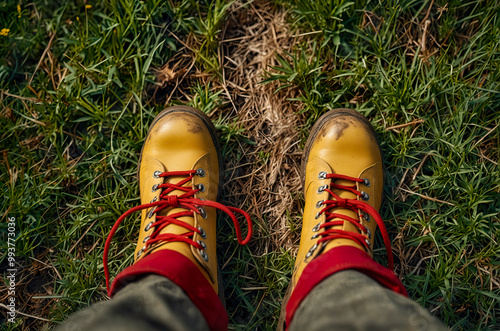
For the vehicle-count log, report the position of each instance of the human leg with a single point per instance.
(178, 175)
(351, 300)
(343, 182)
(150, 303)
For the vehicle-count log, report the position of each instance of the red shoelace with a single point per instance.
(353, 205)
(186, 201)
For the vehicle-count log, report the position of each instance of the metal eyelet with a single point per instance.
(311, 251)
(157, 174)
(368, 242)
(315, 236)
(319, 203)
(318, 215)
(201, 187)
(148, 226)
(154, 199)
(141, 251)
(369, 233)
(155, 187)
(151, 212)
(365, 196)
(146, 239)
(202, 233)
(366, 182)
(204, 255)
(200, 172)
(316, 227)
(366, 216)
(322, 188)
(202, 244)
(203, 213)
(322, 175)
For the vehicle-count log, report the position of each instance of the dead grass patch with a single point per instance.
(268, 181)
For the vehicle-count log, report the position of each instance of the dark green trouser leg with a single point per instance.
(151, 303)
(350, 300)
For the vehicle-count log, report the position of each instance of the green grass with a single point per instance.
(71, 134)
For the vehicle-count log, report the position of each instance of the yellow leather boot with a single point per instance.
(343, 181)
(179, 170)
(341, 160)
(180, 139)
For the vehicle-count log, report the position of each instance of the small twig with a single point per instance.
(19, 97)
(236, 39)
(54, 267)
(485, 157)
(83, 235)
(228, 260)
(428, 198)
(428, 11)
(441, 10)
(374, 27)
(490, 131)
(305, 34)
(62, 76)
(399, 126)
(43, 56)
(422, 42)
(76, 161)
(402, 180)
(414, 251)
(419, 167)
(93, 246)
(257, 309)
(37, 260)
(8, 209)
(420, 262)
(48, 266)
(24, 314)
(182, 43)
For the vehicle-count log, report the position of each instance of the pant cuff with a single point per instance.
(183, 272)
(335, 260)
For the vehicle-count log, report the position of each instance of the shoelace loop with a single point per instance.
(186, 201)
(356, 206)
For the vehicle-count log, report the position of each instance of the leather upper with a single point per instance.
(341, 143)
(179, 140)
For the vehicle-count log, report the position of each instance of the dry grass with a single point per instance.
(269, 178)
